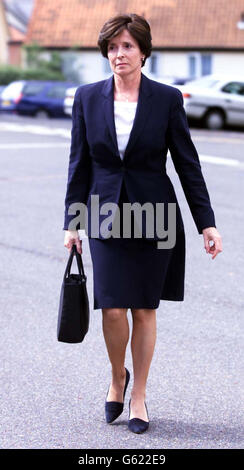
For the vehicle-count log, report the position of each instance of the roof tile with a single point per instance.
(174, 23)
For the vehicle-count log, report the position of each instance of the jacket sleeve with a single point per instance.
(187, 165)
(79, 163)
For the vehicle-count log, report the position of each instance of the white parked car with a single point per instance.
(169, 80)
(69, 100)
(70, 92)
(11, 95)
(215, 100)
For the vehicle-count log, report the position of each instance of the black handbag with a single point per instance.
(73, 314)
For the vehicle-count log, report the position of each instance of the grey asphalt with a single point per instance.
(52, 394)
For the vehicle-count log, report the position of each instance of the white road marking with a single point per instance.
(34, 129)
(43, 130)
(210, 139)
(31, 177)
(220, 160)
(34, 145)
(45, 145)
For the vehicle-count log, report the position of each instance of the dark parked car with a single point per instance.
(43, 99)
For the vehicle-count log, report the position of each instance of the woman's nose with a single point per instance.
(120, 52)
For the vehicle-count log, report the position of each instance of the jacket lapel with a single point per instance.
(143, 111)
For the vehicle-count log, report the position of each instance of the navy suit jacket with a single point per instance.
(160, 123)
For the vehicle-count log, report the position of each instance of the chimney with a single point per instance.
(240, 24)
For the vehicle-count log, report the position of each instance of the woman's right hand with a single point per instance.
(71, 238)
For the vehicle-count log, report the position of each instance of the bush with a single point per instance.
(38, 67)
(41, 74)
(10, 73)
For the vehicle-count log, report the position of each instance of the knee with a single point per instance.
(114, 314)
(143, 314)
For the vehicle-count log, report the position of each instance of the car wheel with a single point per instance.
(42, 114)
(214, 119)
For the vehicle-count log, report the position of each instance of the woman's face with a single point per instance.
(124, 54)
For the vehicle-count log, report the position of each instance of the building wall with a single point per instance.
(15, 54)
(3, 37)
(173, 64)
(226, 62)
(178, 63)
(91, 66)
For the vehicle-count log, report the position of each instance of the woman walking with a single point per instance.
(122, 130)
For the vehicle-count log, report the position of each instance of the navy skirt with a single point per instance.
(133, 272)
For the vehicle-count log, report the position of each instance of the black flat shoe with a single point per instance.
(113, 409)
(138, 425)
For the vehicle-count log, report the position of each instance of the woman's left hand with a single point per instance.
(212, 234)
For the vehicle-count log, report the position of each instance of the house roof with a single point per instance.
(15, 35)
(174, 23)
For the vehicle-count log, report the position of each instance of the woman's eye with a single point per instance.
(112, 47)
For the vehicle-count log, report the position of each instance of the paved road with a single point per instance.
(52, 394)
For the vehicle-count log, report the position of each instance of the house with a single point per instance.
(14, 17)
(190, 38)
(4, 36)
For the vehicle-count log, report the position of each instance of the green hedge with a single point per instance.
(9, 73)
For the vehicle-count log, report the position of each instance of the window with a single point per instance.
(154, 64)
(32, 89)
(57, 92)
(206, 63)
(192, 66)
(236, 88)
(107, 68)
(199, 64)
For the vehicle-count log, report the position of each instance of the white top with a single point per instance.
(124, 114)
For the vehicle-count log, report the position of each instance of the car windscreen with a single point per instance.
(236, 88)
(32, 89)
(57, 91)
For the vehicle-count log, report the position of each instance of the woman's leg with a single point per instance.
(116, 334)
(142, 347)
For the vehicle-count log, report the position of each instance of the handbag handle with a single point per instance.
(79, 263)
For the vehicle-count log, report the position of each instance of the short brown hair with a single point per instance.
(137, 26)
